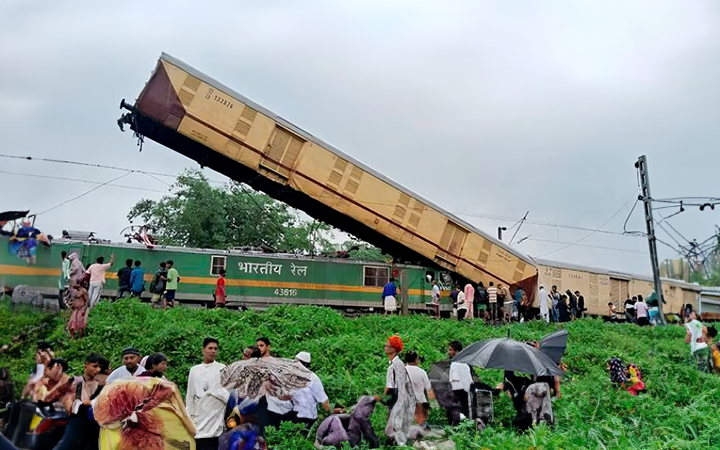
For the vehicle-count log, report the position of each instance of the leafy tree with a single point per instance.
(197, 214)
(355, 249)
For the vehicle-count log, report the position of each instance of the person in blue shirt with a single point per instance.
(137, 280)
(389, 296)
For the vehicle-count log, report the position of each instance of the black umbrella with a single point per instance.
(7, 216)
(440, 371)
(554, 345)
(508, 354)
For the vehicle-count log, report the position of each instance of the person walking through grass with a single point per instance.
(173, 278)
(123, 277)
(421, 385)
(157, 286)
(206, 398)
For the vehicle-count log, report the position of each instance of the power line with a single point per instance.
(78, 180)
(592, 232)
(588, 245)
(83, 194)
(100, 166)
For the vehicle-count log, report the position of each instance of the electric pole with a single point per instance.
(642, 168)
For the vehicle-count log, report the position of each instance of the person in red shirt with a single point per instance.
(220, 290)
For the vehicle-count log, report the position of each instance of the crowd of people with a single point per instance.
(81, 288)
(222, 416)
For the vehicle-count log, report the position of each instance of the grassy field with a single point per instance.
(680, 410)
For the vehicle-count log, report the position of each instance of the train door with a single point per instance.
(619, 291)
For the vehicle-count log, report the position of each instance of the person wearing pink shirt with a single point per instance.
(97, 278)
(469, 299)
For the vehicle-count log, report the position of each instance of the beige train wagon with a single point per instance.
(204, 120)
(600, 286)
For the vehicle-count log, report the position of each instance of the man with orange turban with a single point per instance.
(402, 396)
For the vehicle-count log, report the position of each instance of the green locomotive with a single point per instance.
(254, 279)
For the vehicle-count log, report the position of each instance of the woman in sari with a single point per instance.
(79, 307)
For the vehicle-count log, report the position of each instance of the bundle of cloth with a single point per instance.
(351, 428)
(629, 378)
(146, 413)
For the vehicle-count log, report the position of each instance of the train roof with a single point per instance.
(616, 274)
(310, 137)
(230, 252)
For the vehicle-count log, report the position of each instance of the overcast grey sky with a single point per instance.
(487, 108)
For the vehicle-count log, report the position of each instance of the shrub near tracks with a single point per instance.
(680, 410)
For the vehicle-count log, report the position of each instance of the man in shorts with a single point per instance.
(173, 278)
(157, 287)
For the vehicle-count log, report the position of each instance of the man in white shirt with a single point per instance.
(461, 380)
(206, 398)
(421, 384)
(436, 298)
(305, 400)
(695, 336)
(641, 312)
(399, 386)
(130, 368)
(544, 298)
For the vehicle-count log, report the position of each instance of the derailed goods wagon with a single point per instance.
(206, 121)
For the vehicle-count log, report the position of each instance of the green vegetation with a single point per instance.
(679, 411)
(197, 214)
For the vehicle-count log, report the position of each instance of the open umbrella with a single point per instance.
(554, 345)
(276, 377)
(508, 354)
(7, 216)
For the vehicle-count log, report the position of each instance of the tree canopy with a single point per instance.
(198, 214)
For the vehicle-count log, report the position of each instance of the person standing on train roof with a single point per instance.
(389, 296)
(123, 277)
(173, 278)
(435, 298)
(64, 278)
(220, 293)
(97, 278)
(137, 280)
(470, 300)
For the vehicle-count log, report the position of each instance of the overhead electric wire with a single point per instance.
(78, 180)
(592, 232)
(100, 166)
(84, 193)
(587, 245)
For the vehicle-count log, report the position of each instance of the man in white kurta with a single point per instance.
(206, 398)
(544, 310)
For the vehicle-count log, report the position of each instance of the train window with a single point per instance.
(376, 276)
(217, 263)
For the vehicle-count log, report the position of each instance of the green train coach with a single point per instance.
(254, 279)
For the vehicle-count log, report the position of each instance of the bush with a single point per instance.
(678, 412)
